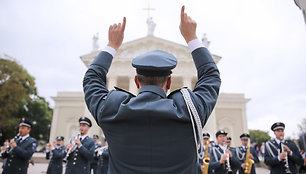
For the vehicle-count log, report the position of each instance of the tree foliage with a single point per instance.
(259, 136)
(18, 98)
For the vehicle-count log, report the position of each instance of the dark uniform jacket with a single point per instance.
(215, 156)
(272, 150)
(150, 133)
(79, 160)
(95, 159)
(240, 153)
(103, 161)
(56, 163)
(18, 160)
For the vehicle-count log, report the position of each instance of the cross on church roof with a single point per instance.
(149, 9)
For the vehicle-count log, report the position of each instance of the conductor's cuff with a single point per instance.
(110, 50)
(194, 44)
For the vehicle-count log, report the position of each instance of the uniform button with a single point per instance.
(12, 156)
(8, 164)
(73, 163)
(10, 160)
(76, 154)
(74, 158)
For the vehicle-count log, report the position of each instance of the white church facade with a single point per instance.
(229, 113)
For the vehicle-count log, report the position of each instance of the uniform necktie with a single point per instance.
(80, 138)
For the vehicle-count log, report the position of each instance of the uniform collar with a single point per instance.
(24, 137)
(154, 89)
(83, 137)
(278, 141)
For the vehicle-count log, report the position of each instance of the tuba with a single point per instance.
(206, 160)
(227, 163)
(72, 149)
(287, 169)
(248, 162)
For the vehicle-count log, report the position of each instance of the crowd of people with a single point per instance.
(152, 133)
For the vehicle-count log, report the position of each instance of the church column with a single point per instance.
(112, 82)
(132, 86)
(187, 82)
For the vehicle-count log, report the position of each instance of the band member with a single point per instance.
(20, 150)
(242, 151)
(207, 145)
(146, 132)
(281, 155)
(233, 151)
(79, 159)
(94, 161)
(57, 153)
(103, 159)
(222, 159)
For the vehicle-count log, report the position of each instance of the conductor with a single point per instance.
(152, 132)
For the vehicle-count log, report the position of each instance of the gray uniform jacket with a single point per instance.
(56, 163)
(150, 133)
(278, 167)
(79, 160)
(240, 153)
(18, 160)
(214, 163)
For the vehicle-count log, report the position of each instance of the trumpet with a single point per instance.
(227, 163)
(283, 149)
(248, 162)
(72, 149)
(206, 160)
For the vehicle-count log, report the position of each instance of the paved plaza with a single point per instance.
(39, 168)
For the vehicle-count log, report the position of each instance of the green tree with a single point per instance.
(18, 98)
(259, 136)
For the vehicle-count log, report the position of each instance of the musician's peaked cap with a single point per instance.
(244, 136)
(85, 120)
(206, 135)
(278, 125)
(154, 63)
(25, 122)
(221, 132)
(60, 138)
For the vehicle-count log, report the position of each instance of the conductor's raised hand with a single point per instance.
(116, 34)
(187, 26)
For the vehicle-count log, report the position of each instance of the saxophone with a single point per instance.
(287, 169)
(248, 162)
(206, 160)
(72, 149)
(227, 163)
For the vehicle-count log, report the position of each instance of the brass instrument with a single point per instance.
(287, 169)
(72, 149)
(206, 160)
(227, 163)
(248, 162)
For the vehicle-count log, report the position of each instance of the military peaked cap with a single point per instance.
(277, 125)
(154, 63)
(85, 120)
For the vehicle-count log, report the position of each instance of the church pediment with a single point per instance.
(131, 49)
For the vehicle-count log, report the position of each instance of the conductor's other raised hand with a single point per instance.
(187, 26)
(116, 34)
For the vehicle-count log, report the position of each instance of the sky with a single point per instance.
(262, 44)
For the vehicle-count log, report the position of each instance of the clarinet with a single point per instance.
(287, 169)
(72, 149)
(9, 150)
(227, 163)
